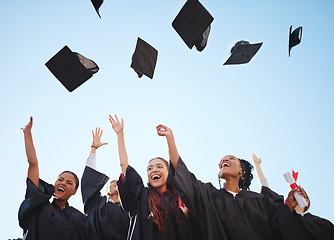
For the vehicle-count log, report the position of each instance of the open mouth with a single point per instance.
(155, 177)
(60, 189)
(226, 164)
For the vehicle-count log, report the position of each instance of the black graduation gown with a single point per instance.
(219, 215)
(110, 221)
(41, 220)
(316, 227)
(134, 200)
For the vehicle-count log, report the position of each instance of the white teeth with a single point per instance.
(226, 165)
(154, 177)
(61, 189)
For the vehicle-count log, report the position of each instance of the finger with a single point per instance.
(104, 144)
(101, 132)
(122, 122)
(113, 120)
(116, 118)
(93, 133)
(98, 131)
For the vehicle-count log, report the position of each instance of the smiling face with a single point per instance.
(229, 166)
(65, 186)
(157, 172)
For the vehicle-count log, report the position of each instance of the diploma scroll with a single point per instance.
(291, 181)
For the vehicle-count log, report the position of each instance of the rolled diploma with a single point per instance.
(300, 200)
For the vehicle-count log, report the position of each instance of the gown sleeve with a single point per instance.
(34, 198)
(130, 188)
(276, 198)
(192, 191)
(92, 182)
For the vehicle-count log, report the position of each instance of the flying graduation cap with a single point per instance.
(193, 24)
(295, 37)
(97, 4)
(71, 68)
(242, 52)
(144, 59)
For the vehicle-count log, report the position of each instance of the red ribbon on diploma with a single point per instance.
(295, 176)
(293, 185)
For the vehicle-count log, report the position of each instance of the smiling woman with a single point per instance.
(156, 211)
(37, 217)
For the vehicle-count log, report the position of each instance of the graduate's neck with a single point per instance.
(232, 185)
(60, 203)
(162, 189)
(115, 198)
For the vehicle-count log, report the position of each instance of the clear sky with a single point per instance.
(279, 107)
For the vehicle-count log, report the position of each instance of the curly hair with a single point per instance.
(247, 176)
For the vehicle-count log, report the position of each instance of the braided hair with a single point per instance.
(247, 176)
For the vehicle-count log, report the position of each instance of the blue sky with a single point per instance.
(278, 107)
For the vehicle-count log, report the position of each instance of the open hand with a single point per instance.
(116, 124)
(97, 138)
(256, 160)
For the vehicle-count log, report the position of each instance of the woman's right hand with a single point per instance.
(97, 138)
(116, 124)
(256, 160)
(27, 128)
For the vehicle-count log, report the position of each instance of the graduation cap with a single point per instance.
(97, 4)
(242, 52)
(144, 59)
(295, 37)
(71, 68)
(193, 24)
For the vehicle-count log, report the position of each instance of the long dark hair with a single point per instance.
(247, 176)
(158, 209)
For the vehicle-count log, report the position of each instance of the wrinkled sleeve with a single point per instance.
(194, 193)
(283, 222)
(92, 182)
(34, 198)
(130, 187)
(276, 198)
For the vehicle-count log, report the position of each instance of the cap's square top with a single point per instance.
(144, 59)
(191, 23)
(242, 52)
(70, 68)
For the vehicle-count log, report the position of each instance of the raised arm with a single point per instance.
(118, 128)
(164, 131)
(91, 161)
(257, 162)
(33, 172)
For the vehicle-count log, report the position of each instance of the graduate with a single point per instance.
(105, 213)
(316, 227)
(232, 212)
(154, 210)
(41, 219)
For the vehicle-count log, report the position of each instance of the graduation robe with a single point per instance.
(316, 227)
(217, 214)
(41, 220)
(134, 198)
(110, 221)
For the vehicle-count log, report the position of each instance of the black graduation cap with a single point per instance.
(144, 59)
(242, 52)
(295, 37)
(192, 23)
(71, 68)
(97, 4)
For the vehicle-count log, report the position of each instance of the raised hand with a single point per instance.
(116, 124)
(256, 160)
(97, 138)
(27, 128)
(164, 131)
